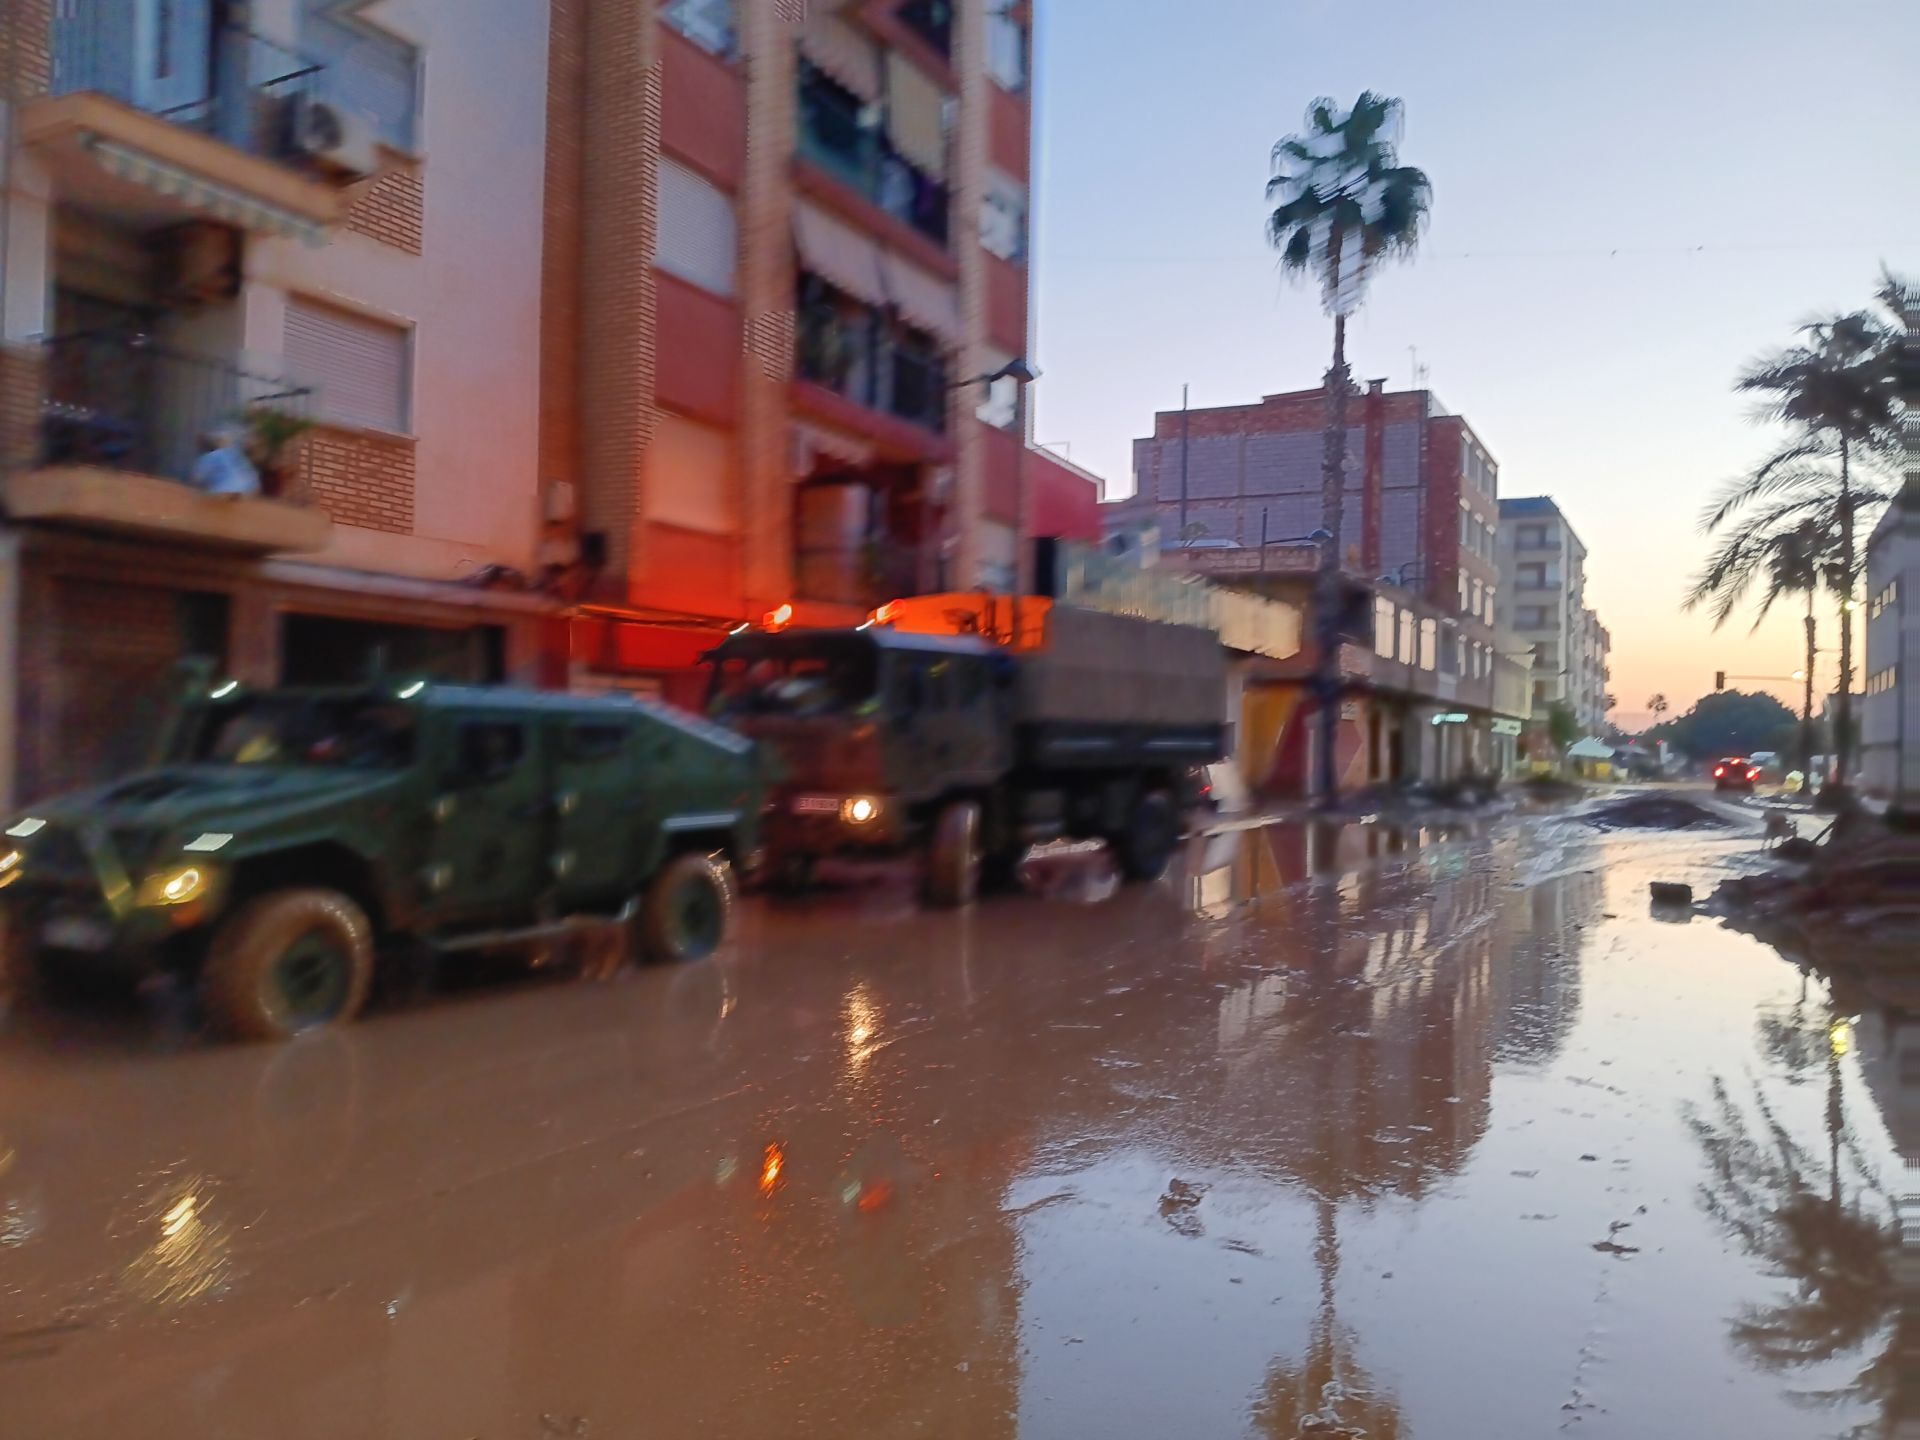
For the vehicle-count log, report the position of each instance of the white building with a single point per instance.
(1890, 709)
(1542, 603)
(217, 218)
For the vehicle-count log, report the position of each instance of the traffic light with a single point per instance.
(1719, 679)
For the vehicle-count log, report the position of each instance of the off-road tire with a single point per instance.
(687, 910)
(288, 961)
(1146, 846)
(953, 856)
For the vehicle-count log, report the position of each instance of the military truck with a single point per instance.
(287, 837)
(967, 727)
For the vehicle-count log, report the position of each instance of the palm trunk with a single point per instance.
(1333, 485)
(1843, 711)
(1806, 703)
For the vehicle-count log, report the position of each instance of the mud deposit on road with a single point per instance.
(1338, 1131)
(1655, 811)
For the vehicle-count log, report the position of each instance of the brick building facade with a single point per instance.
(1233, 492)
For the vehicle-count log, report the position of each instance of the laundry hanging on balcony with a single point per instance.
(218, 201)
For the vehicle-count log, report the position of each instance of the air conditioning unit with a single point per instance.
(336, 138)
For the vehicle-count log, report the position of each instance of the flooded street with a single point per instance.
(1367, 1133)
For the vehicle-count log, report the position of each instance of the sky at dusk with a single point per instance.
(1630, 201)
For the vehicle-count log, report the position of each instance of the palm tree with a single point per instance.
(1341, 204)
(1836, 390)
(1658, 706)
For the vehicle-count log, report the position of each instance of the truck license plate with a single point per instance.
(816, 805)
(76, 932)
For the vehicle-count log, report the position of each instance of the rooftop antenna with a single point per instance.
(1420, 372)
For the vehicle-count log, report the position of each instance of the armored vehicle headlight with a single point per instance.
(176, 885)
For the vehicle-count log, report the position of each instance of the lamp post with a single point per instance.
(1023, 373)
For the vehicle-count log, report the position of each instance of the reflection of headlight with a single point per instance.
(176, 886)
(859, 810)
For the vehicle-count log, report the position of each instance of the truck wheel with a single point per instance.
(685, 915)
(286, 962)
(1150, 837)
(953, 856)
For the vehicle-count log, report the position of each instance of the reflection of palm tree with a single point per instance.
(1327, 1395)
(1790, 1209)
(1795, 1039)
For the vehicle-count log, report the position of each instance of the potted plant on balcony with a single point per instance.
(273, 446)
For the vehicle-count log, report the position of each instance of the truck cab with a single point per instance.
(284, 837)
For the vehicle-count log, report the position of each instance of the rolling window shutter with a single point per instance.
(357, 367)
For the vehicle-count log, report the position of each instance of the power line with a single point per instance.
(1610, 253)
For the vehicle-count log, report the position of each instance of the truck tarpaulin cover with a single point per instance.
(1100, 667)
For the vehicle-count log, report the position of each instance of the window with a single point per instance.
(1006, 46)
(1463, 590)
(489, 750)
(1882, 681)
(1884, 599)
(1429, 643)
(594, 744)
(707, 23)
(1479, 605)
(697, 238)
(1383, 627)
(1003, 217)
(1406, 637)
(1530, 617)
(1530, 577)
(360, 369)
(1487, 614)
(1531, 537)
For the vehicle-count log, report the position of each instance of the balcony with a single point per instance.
(856, 353)
(203, 125)
(866, 575)
(836, 137)
(123, 422)
(932, 21)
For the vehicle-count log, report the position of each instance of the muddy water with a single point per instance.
(1334, 1132)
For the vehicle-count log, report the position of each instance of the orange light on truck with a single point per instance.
(781, 618)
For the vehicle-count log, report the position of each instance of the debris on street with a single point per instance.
(1864, 876)
(1655, 811)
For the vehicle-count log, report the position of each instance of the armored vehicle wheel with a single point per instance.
(286, 962)
(686, 911)
(953, 856)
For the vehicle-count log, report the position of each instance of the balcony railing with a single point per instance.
(872, 364)
(931, 20)
(122, 402)
(836, 136)
(228, 83)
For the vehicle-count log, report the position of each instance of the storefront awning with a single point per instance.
(923, 299)
(838, 254)
(191, 190)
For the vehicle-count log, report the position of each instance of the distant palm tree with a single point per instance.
(1782, 531)
(1341, 204)
(1836, 389)
(1658, 705)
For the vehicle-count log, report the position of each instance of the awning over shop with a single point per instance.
(815, 446)
(923, 299)
(843, 52)
(915, 115)
(839, 254)
(214, 199)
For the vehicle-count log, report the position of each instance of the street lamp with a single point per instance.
(1023, 373)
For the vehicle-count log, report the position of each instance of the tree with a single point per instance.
(1562, 728)
(1341, 204)
(1729, 722)
(1835, 390)
(1658, 706)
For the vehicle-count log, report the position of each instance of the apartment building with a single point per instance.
(295, 231)
(1234, 493)
(784, 312)
(1889, 711)
(558, 337)
(1543, 585)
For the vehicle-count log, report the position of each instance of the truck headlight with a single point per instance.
(860, 810)
(178, 885)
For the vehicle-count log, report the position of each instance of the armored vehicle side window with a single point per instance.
(588, 744)
(969, 682)
(489, 750)
(358, 733)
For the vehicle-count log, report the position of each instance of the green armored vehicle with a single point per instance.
(287, 836)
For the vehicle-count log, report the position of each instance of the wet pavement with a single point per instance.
(1365, 1132)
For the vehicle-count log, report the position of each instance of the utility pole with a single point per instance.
(1185, 427)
